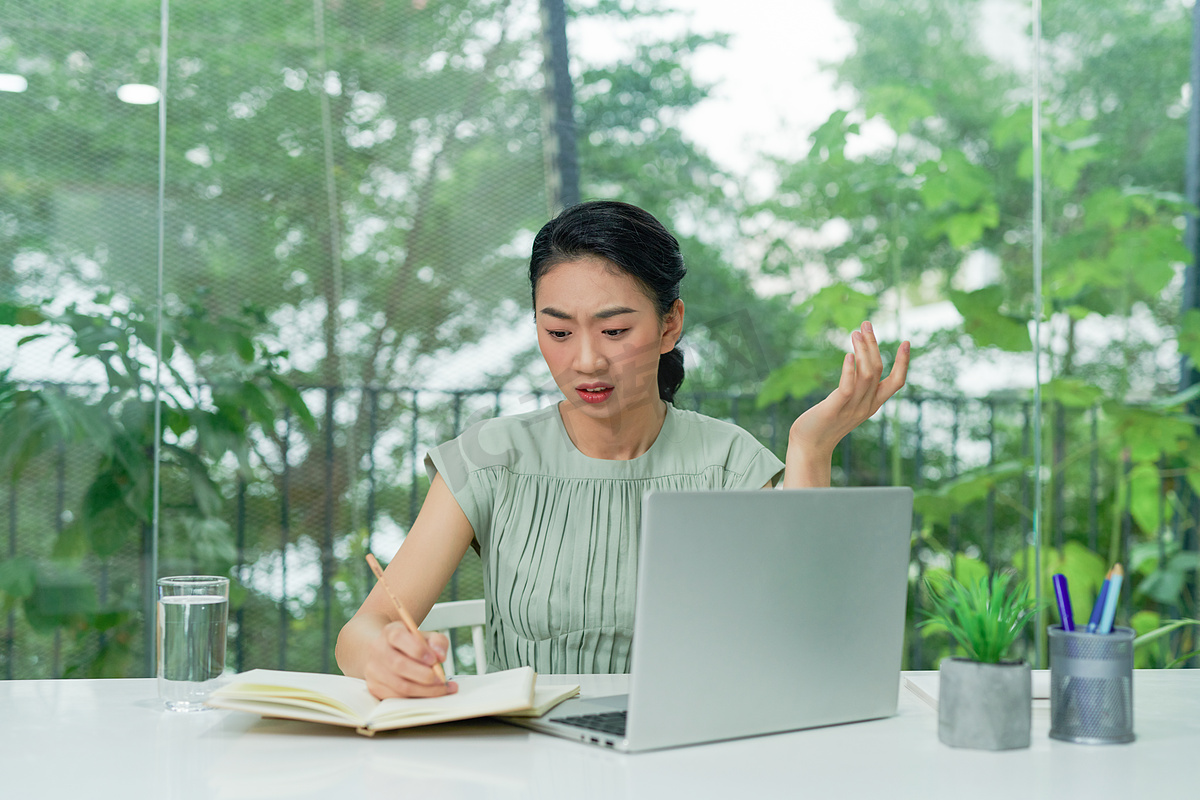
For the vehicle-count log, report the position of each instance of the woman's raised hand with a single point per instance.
(859, 394)
(400, 664)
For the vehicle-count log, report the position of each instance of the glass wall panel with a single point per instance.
(1120, 439)
(78, 255)
(349, 191)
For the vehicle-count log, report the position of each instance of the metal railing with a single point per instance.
(316, 499)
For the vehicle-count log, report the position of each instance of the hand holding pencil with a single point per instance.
(404, 661)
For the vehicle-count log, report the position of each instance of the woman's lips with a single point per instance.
(594, 394)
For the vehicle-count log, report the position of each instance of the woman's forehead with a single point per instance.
(589, 281)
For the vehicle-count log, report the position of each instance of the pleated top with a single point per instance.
(558, 530)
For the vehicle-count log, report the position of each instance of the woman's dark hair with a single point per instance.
(633, 240)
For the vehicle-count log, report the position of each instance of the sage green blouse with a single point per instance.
(558, 531)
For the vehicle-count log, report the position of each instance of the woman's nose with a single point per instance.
(589, 357)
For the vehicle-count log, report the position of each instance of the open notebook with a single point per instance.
(339, 700)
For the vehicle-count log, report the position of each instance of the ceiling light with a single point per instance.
(139, 94)
(13, 83)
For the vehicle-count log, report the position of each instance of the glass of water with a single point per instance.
(193, 613)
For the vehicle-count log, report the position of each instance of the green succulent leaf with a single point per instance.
(984, 618)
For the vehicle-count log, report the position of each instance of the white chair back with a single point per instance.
(447, 617)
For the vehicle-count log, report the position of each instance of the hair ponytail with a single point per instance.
(670, 374)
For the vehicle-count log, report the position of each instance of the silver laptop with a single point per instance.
(757, 612)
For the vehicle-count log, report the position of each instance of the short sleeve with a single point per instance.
(470, 485)
(762, 467)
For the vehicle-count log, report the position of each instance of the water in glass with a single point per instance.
(192, 648)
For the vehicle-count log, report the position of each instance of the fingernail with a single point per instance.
(451, 687)
(867, 327)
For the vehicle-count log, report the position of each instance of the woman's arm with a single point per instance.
(860, 393)
(374, 644)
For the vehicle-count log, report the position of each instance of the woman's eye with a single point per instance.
(557, 334)
(612, 332)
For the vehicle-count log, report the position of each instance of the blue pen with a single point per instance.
(1098, 609)
(1110, 600)
(1064, 602)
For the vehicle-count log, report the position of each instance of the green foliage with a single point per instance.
(939, 504)
(116, 424)
(986, 324)
(913, 213)
(1147, 637)
(985, 620)
(1165, 569)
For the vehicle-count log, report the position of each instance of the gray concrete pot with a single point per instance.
(984, 706)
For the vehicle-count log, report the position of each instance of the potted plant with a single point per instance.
(984, 698)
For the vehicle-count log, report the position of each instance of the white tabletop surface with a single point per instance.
(99, 739)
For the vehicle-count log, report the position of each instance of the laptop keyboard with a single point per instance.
(611, 722)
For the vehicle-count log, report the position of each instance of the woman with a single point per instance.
(552, 498)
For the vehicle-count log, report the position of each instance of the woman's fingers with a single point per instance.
(899, 374)
(859, 394)
(860, 386)
(870, 361)
(401, 664)
(416, 646)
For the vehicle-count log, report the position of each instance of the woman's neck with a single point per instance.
(622, 437)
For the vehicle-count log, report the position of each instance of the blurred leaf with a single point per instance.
(1072, 393)
(1177, 400)
(1163, 630)
(104, 493)
(1144, 622)
(986, 324)
(1163, 586)
(829, 140)
(1167, 583)
(954, 181)
(1148, 434)
(71, 544)
(954, 496)
(17, 575)
(108, 531)
(294, 401)
(838, 307)
(967, 227)
(1014, 127)
(256, 404)
(59, 597)
(900, 104)
(799, 378)
(1145, 492)
(14, 314)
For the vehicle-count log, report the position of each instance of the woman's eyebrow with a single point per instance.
(606, 313)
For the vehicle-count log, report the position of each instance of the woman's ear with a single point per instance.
(672, 327)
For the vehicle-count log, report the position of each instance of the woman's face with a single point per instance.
(601, 337)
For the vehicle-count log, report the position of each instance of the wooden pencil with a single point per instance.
(405, 617)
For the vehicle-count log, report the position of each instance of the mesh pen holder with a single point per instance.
(1091, 686)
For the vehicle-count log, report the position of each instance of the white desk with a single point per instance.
(100, 739)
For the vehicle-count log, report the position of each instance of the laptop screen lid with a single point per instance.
(765, 611)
